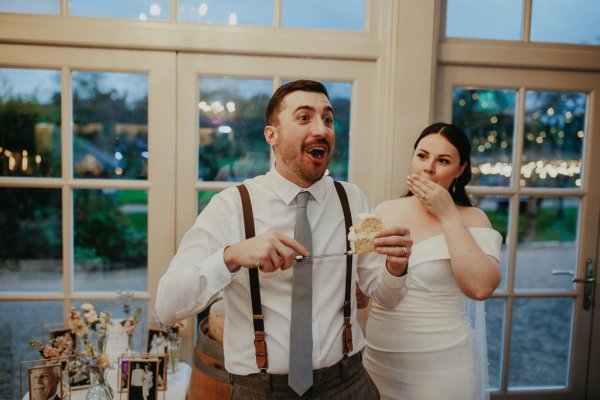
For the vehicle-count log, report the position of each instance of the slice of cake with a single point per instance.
(361, 236)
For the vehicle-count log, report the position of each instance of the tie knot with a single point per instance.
(302, 198)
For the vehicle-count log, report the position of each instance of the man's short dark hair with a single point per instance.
(274, 105)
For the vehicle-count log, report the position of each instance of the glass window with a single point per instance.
(549, 24)
(547, 246)
(332, 14)
(553, 139)
(340, 94)
(497, 210)
(488, 118)
(204, 197)
(495, 321)
(31, 244)
(111, 237)
(231, 12)
(110, 130)
(30, 118)
(131, 9)
(540, 343)
(46, 7)
(484, 19)
(232, 145)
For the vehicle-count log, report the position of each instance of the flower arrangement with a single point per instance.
(86, 325)
(130, 322)
(92, 357)
(174, 343)
(55, 348)
(174, 329)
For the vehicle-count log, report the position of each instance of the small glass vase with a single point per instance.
(129, 349)
(100, 389)
(173, 349)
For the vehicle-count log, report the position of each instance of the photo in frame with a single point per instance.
(28, 367)
(156, 342)
(45, 381)
(66, 333)
(79, 375)
(123, 381)
(124, 368)
(142, 379)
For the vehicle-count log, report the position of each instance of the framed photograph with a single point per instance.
(123, 381)
(45, 381)
(124, 368)
(163, 369)
(79, 376)
(66, 333)
(157, 341)
(142, 379)
(27, 367)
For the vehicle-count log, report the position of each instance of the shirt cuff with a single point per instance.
(216, 272)
(392, 280)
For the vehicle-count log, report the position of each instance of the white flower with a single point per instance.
(91, 316)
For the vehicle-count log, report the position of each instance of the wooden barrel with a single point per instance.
(209, 379)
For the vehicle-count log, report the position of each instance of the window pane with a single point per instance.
(111, 236)
(488, 118)
(547, 246)
(31, 244)
(484, 19)
(232, 12)
(548, 22)
(497, 210)
(30, 118)
(540, 342)
(131, 9)
(204, 197)
(494, 319)
(20, 322)
(553, 141)
(46, 7)
(232, 145)
(110, 131)
(332, 14)
(340, 94)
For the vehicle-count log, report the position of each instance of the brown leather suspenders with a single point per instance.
(347, 332)
(260, 345)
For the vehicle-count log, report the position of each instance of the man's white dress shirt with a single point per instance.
(198, 273)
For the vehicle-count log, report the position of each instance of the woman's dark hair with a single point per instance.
(459, 139)
(275, 102)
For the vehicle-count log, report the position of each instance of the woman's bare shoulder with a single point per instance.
(394, 205)
(474, 217)
(395, 211)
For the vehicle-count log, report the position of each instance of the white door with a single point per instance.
(534, 134)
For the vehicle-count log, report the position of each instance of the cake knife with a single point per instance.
(302, 258)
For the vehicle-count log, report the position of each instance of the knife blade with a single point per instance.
(302, 258)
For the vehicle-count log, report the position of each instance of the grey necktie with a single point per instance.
(300, 373)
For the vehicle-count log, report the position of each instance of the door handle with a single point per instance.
(588, 284)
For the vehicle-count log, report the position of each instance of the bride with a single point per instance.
(425, 348)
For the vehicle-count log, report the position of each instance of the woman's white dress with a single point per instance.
(424, 349)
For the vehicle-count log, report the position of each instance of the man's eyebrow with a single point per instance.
(310, 108)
